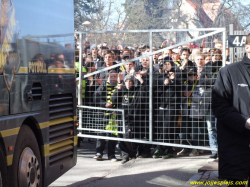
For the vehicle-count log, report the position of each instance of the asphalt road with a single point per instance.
(140, 172)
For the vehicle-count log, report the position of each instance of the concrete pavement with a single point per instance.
(207, 176)
(139, 172)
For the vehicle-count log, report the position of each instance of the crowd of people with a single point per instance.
(183, 79)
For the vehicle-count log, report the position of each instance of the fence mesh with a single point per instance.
(131, 71)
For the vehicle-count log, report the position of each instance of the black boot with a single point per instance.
(214, 155)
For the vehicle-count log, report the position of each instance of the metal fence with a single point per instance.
(151, 98)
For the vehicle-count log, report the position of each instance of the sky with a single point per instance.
(44, 17)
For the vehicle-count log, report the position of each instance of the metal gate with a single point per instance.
(152, 123)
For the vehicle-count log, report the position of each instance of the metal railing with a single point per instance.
(153, 124)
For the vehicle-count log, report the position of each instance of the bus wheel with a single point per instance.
(27, 160)
(3, 169)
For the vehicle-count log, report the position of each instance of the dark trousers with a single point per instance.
(128, 149)
(197, 131)
(101, 143)
(144, 148)
(142, 131)
(167, 128)
(186, 124)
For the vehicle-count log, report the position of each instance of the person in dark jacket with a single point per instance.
(184, 65)
(187, 91)
(143, 69)
(88, 99)
(143, 72)
(129, 97)
(102, 98)
(168, 92)
(207, 80)
(90, 85)
(231, 106)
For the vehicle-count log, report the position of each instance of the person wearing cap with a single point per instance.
(125, 51)
(231, 106)
(129, 98)
(97, 59)
(144, 49)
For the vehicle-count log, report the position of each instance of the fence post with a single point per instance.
(231, 50)
(80, 84)
(224, 47)
(151, 88)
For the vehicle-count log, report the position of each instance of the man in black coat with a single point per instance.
(231, 107)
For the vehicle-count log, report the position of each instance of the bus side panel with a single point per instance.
(61, 84)
(62, 94)
(28, 93)
(55, 171)
(4, 99)
(10, 126)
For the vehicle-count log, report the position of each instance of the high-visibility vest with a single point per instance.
(84, 72)
(109, 93)
(178, 62)
(122, 68)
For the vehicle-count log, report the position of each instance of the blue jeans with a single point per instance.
(212, 130)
